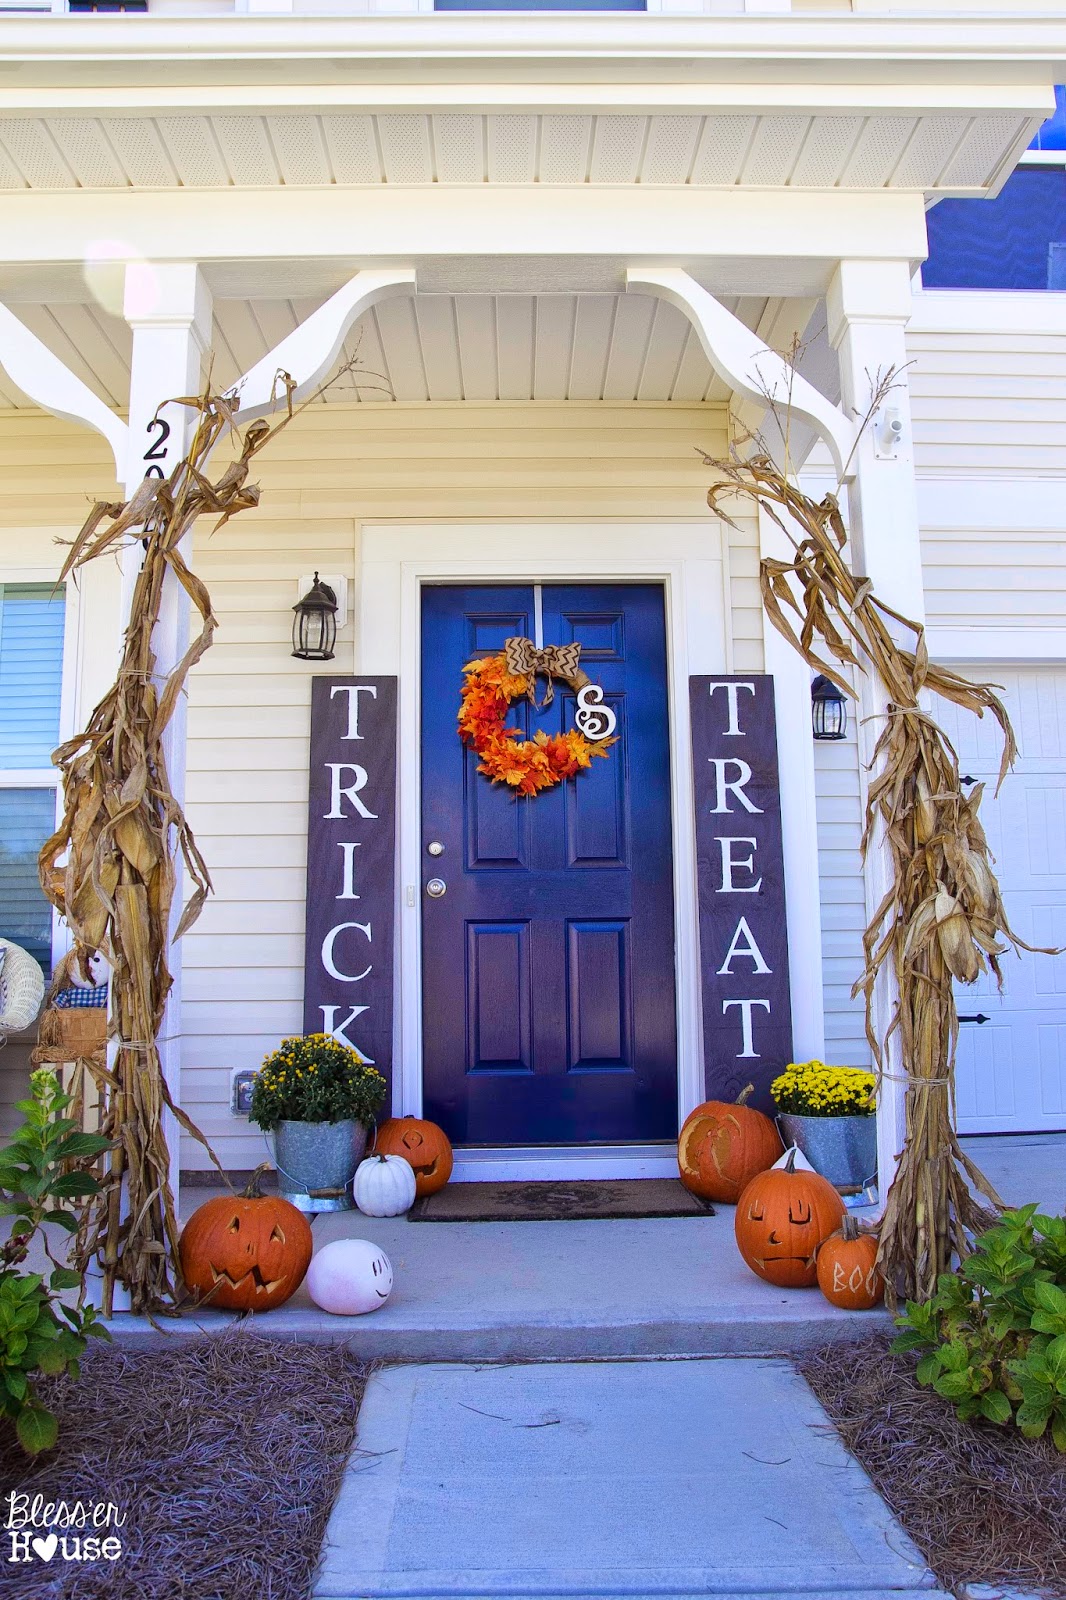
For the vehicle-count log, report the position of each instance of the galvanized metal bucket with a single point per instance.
(316, 1163)
(842, 1149)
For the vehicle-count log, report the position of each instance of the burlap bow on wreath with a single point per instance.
(524, 660)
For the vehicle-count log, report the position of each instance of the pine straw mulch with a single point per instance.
(982, 1503)
(224, 1453)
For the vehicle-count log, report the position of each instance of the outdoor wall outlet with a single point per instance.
(241, 1091)
(888, 434)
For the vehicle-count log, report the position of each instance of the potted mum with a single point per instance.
(829, 1113)
(319, 1099)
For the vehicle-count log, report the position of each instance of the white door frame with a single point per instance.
(690, 558)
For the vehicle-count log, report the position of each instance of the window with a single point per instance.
(32, 617)
(540, 5)
(1017, 240)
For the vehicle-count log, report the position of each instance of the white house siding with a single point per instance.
(838, 805)
(249, 700)
(988, 389)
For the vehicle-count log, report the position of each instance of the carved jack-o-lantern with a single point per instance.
(847, 1269)
(421, 1143)
(721, 1147)
(783, 1216)
(245, 1252)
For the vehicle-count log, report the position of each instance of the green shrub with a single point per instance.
(38, 1333)
(316, 1079)
(994, 1334)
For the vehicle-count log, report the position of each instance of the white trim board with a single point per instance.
(690, 559)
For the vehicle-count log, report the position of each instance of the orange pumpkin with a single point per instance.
(782, 1218)
(421, 1143)
(721, 1147)
(246, 1252)
(847, 1269)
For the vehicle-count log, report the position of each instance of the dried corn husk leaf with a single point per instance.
(943, 919)
(121, 829)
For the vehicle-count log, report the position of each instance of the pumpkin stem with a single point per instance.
(253, 1191)
(790, 1163)
(742, 1097)
(849, 1228)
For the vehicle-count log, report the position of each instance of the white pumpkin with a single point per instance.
(349, 1277)
(384, 1186)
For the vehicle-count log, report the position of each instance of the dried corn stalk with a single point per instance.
(942, 919)
(121, 830)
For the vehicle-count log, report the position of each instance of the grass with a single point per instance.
(224, 1453)
(982, 1503)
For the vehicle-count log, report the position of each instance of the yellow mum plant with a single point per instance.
(813, 1089)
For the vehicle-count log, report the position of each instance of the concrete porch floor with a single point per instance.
(557, 1290)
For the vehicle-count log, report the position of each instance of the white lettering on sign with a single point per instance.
(328, 960)
(746, 1006)
(353, 691)
(734, 786)
(348, 848)
(747, 948)
(734, 730)
(336, 1030)
(339, 790)
(731, 862)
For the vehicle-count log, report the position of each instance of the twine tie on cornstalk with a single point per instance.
(524, 660)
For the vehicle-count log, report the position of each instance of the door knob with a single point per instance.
(435, 848)
(436, 887)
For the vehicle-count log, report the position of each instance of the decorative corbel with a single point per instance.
(43, 378)
(308, 353)
(748, 365)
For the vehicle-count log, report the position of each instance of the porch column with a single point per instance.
(168, 307)
(868, 306)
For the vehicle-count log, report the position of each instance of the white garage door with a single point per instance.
(1012, 1068)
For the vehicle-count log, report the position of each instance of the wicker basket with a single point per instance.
(80, 1031)
(21, 988)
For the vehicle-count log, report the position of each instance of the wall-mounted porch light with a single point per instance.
(314, 626)
(829, 709)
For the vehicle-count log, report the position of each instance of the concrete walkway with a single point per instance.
(490, 1291)
(629, 1479)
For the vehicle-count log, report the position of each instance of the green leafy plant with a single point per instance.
(316, 1079)
(39, 1333)
(993, 1336)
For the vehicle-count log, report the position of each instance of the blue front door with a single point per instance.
(548, 963)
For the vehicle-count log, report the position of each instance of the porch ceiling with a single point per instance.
(441, 347)
(935, 153)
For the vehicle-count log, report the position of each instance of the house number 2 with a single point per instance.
(157, 450)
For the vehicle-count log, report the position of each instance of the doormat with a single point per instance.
(589, 1200)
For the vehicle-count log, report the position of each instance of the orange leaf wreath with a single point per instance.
(525, 765)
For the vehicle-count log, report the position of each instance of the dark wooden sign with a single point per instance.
(351, 865)
(747, 1014)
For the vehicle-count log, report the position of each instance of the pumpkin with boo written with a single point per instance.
(384, 1186)
(246, 1252)
(721, 1147)
(421, 1143)
(847, 1269)
(349, 1277)
(782, 1218)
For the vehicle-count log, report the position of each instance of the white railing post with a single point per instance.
(868, 306)
(168, 307)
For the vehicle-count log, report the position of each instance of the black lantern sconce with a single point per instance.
(314, 627)
(829, 709)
